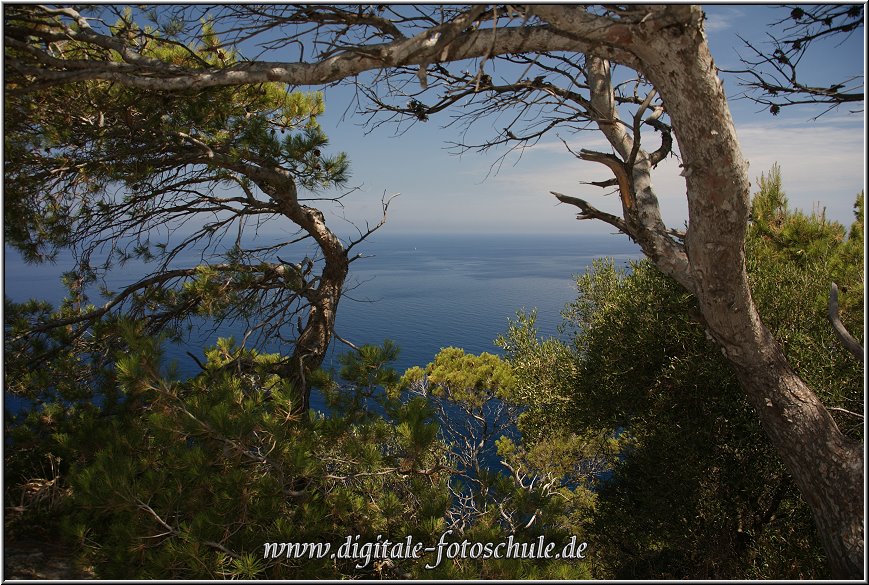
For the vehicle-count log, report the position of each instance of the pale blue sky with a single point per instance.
(822, 160)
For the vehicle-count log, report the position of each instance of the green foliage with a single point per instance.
(695, 490)
(114, 174)
(633, 435)
(466, 378)
(83, 142)
(791, 264)
(109, 175)
(59, 411)
(194, 480)
(500, 489)
(541, 369)
(189, 479)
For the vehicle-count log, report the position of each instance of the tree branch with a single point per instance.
(842, 333)
(587, 33)
(618, 168)
(588, 211)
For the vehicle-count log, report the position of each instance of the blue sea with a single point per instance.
(431, 292)
(424, 292)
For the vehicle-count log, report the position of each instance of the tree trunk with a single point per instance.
(316, 335)
(314, 340)
(826, 466)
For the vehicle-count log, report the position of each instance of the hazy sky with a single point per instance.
(822, 160)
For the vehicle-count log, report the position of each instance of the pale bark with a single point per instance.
(639, 204)
(666, 44)
(421, 49)
(826, 465)
(842, 333)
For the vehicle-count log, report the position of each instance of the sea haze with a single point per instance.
(424, 292)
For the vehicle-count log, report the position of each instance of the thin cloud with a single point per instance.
(588, 139)
(719, 18)
(819, 164)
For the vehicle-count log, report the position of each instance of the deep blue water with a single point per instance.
(436, 291)
(424, 292)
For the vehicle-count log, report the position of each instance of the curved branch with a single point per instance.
(117, 300)
(666, 140)
(846, 338)
(618, 168)
(139, 71)
(604, 106)
(588, 211)
(845, 411)
(638, 116)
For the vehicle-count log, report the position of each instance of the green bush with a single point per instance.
(695, 490)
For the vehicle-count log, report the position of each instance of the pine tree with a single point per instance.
(115, 175)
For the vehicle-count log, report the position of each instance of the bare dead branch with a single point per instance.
(772, 76)
(842, 333)
(619, 170)
(638, 117)
(666, 140)
(845, 411)
(587, 211)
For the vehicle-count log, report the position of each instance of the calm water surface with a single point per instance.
(423, 292)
